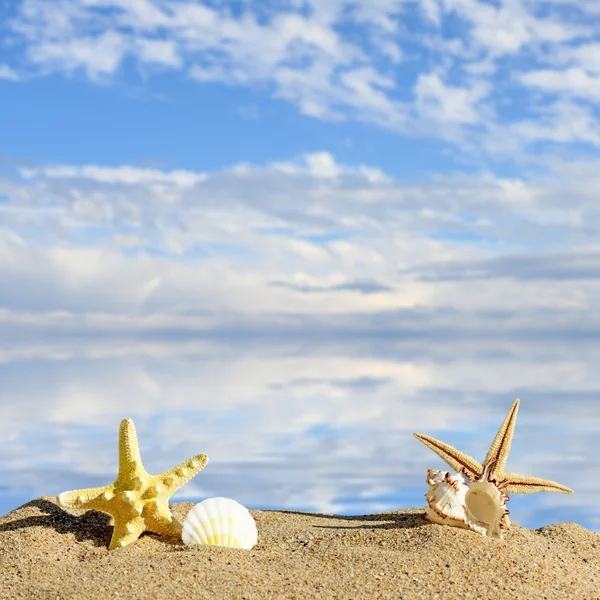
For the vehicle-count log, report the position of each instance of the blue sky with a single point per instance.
(413, 88)
(327, 172)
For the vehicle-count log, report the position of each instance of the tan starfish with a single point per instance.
(494, 462)
(137, 501)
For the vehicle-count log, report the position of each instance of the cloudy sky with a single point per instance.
(178, 164)
(405, 191)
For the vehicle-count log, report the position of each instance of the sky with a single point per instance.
(404, 191)
(164, 159)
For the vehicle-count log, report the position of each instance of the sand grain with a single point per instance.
(48, 553)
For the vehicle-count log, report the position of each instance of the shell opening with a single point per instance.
(485, 502)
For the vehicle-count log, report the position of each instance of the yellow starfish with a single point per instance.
(493, 465)
(137, 501)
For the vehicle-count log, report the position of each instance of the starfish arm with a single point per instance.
(182, 473)
(92, 498)
(137, 501)
(126, 532)
(521, 484)
(130, 461)
(169, 527)
(456, 459)
(500, 447)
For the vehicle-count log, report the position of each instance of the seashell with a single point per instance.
(457, 501)
(446, 500)
(220, 522)
(486, 501)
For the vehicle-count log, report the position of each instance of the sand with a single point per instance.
(46, 552)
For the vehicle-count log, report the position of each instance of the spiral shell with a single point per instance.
(446, 500)
(220, 522)
(457, 501)
(486, 502)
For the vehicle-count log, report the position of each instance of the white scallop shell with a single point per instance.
(457, 501)
(220, 522)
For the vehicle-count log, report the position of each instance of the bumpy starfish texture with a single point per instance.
(494, 462)
(137, 501)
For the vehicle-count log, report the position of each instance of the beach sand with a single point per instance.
(46, 552)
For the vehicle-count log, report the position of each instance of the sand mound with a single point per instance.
(46, 552)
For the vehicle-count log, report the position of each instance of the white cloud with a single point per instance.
(485, 279)
(98, 56)
(587, 56)
(322, 164)
(507, 28)
(352, 295)
(561, 122)
(352, 393)
(441, 102)
(9, 73)
(132, 242)
(163, 52)
(125, 175)
(340, 60)
(573, 82)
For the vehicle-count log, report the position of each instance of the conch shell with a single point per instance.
(457, 501)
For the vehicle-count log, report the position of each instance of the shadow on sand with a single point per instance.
(93, 525)
(387, 520)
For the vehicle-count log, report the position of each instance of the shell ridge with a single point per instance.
(221, 522)
(200, 518)
(197, 519)
(212, 521)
